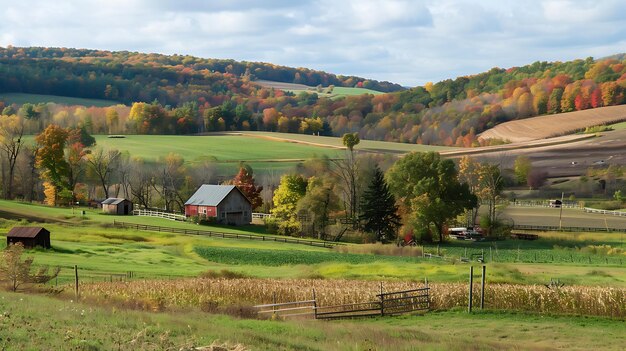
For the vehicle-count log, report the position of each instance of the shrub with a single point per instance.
(203, 219)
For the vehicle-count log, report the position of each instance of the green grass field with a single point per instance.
(99, 250)
(29, 322)
(104, 253)
(364, 145)
(338, 92)
(20, 98)
(225, 148)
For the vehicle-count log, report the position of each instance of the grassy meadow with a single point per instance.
(299, 88)
(190, 290)
(29, 322)
(100, 250)
(21, 98)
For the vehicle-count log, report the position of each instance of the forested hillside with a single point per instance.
(183, 94)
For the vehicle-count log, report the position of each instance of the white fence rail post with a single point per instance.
(166, 215)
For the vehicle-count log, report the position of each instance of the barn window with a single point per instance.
(223, 214)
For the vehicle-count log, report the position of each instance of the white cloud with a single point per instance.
(404, 41)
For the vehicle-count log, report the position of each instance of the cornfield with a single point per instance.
(197, 292)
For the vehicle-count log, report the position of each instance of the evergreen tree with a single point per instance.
(379, 209)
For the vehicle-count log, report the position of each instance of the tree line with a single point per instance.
(418, 195)
(181, 95)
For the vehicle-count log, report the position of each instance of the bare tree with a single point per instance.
(103, 165)
(346, 170)
(140, 182)
(11, 132)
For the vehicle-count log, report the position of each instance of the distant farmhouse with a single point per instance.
(30, 237)
(226, 203)
(114, 205)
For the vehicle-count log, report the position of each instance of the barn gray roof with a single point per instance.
(25, 232)
(113, 201)
(210, 195)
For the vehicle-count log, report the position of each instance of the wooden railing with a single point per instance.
(166, 215)
(155, 228)
(288, 309)
(390, 303)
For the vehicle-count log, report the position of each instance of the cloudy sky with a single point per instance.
(409, 42)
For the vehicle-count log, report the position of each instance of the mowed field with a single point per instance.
(20, 98)
(364, 145)
(298, 88)
(555, 125)
(226, 151)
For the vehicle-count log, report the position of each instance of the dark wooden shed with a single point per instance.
(29, 237)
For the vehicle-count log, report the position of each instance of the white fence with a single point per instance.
(605, 212)
(171, 216)
(543, 203)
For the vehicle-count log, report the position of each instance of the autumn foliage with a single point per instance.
(184, 94)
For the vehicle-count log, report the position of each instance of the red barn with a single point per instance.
(224, 202)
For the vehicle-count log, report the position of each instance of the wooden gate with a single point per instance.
(388, 304)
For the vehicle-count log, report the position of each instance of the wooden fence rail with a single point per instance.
(154, 228)
(388, 304)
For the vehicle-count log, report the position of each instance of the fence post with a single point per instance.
(482, 289)
(76, 280)
(314, 305)
(274, 303)
(382, 300)
(471, 282)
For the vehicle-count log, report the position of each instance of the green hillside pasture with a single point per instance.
(364, 145)
(299, 88)
(20, 99)
(603, 250)
(618, 126)
(31, 322)
(100, 250)
(227, 151)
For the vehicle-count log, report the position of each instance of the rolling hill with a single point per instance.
(183, 95)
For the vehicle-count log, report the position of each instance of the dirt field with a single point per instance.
(548, 126)
(569, 159)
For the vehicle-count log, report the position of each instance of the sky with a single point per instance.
(409, 42)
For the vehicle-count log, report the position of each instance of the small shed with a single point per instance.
(119, 206)
(29, 237)
(226, 203)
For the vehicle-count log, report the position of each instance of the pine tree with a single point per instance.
(379, 209)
